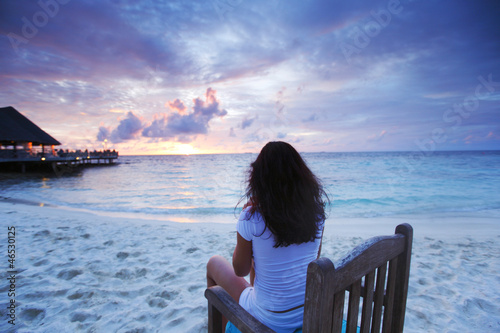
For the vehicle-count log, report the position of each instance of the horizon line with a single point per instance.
(330, 152)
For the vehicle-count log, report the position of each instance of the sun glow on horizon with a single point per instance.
(184, 149)
(172, 148)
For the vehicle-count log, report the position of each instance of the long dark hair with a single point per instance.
(290, 198)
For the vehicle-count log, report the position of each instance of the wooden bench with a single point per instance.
(370, 284)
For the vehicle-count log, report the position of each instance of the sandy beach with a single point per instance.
(77, 271)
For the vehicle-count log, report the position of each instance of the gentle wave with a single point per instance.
(194, 187)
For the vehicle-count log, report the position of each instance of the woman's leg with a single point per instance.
(220, 272)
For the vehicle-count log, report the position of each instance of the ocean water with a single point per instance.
(201, 188)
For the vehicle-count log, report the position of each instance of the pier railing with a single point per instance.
(21, 155)
(37, 159)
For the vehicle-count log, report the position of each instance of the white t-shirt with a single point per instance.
(280, 275)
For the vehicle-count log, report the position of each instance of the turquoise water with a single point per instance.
(208, 187)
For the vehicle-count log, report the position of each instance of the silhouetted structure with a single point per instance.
(17, 129)
(23, 147)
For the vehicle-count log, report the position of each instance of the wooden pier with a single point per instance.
(63, 162)
(26, 147)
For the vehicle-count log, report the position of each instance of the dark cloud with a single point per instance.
(95, 39)
(83, 39)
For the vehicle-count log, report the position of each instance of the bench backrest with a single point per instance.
(370, 284)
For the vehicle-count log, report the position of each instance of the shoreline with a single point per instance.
(450, 224)
(78, 270)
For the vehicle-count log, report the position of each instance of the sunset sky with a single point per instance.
(223, 76)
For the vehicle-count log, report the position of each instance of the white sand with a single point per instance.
(78, 271)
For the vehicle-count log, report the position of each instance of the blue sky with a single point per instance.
(156, 77)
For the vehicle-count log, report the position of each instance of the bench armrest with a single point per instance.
(220, 302)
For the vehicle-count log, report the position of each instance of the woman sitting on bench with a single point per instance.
(279, 233)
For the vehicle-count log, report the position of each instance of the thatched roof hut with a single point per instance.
(17, 129)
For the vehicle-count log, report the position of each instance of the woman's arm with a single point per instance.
(252, 274)
(242, 256)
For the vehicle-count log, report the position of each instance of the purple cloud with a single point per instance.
(182, 125)
(177, 105)
(247, 122)
(104, 133)
(127, 129)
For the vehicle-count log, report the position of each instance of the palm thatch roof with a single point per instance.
(14, 127)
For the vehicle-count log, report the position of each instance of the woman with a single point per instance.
(279, 234)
